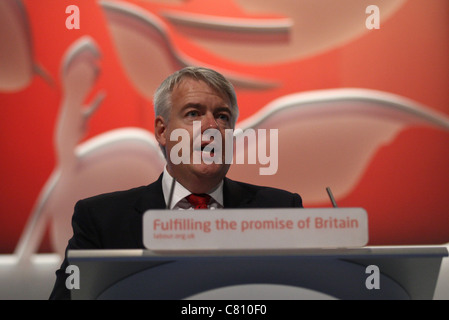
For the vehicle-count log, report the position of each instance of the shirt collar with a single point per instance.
(181, 192)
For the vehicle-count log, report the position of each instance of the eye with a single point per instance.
(192, 113)
(223, 117)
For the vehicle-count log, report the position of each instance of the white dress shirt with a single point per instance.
(179, 201)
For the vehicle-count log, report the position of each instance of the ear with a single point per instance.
(160, 130)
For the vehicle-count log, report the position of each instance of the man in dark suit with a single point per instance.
(114, 220)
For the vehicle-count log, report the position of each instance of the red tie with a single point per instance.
(198, 201)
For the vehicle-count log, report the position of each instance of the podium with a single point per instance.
(404, 272)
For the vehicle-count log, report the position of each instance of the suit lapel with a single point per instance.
(152, 197)
(234, 195)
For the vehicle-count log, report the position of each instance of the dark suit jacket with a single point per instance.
(114, 220)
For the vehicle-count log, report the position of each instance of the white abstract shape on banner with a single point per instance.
(17, 65)
(328, 137)
(147, 53)
(298, 28)
(118, 159)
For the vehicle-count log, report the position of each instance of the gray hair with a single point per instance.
(162, 97)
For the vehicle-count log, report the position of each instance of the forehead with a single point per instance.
(190, 90)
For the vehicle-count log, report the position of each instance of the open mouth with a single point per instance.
(208, 148)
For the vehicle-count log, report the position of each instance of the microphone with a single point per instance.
(331, 196)
(172, 189)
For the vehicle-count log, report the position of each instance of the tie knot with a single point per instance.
(199, 201)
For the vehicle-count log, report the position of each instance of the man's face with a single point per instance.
(194, 101)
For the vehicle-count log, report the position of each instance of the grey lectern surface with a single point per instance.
(405, 272)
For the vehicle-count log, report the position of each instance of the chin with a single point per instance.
(211, 170)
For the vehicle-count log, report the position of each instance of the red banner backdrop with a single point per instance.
(361, 109)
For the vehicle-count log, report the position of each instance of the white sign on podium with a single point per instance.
(254, 229)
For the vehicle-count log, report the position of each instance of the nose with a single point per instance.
(209, 122)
